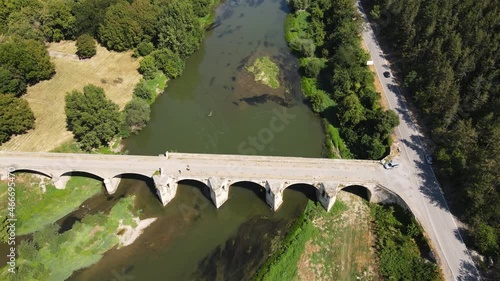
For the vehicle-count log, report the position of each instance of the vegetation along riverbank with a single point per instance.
(355, 240)
(335, 78)
(147, 36)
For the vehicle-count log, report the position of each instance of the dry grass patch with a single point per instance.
(342, 245)
(115, 72)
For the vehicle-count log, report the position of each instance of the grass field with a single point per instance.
(52, 256)
(341, 247)
(115, 72)
(36, 208)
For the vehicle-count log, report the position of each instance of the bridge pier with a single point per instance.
(327, 194)
(219, 190)
(274, 194)
(166, 188)
(60, 182)
(111, 184)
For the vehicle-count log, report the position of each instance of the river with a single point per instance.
(214, 107)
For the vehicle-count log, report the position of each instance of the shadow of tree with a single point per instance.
(468, 272)
(429, 186)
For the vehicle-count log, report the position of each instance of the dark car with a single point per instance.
(390, 165)
(428, 158)
(387, 74)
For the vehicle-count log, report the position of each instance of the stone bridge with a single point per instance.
(218, 172)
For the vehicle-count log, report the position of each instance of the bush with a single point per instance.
(136, 115)
(142, 91)
(145, 48)
(168, 62)
(305, 47)
(312, 66)
(400, 257)
(147, 67)
(85, 46)
(201, 7)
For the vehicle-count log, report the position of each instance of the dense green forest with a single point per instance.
(325, 34)
(447, 52)
(165, 32)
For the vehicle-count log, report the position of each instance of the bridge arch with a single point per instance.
(256, 187)
(32, 171)
(134, 176)
(197, 184)
(82, 174)
(309, 190)
(358, 190)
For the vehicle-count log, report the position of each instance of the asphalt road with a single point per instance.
(417, 178)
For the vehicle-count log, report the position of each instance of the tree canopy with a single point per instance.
(448, 55)
(93, 119)
(15, 116)
(22, 63)
(339, 85)
(85, 46)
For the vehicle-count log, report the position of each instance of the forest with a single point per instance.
(163, 32)
(340, 87)
(447, 54)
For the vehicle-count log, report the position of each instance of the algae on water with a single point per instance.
(265, 71)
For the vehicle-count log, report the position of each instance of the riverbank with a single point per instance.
(113, 71)
(39, 203)
(54, 255)
(337, 82)
(356, 240)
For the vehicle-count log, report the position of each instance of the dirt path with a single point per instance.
(61, 55)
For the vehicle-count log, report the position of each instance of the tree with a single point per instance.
(201, 7)
(85, 46)
(178, 28)
(142, 91)
(93, 119)
(305, 47)
(25, 23)
(147, 67)
(312, 66)
(298, 5)
(57, 20)
(145, 48)
(9, 83)
(16, 116)
(136, 115)
(170, 63)
(120, 31)
(89, 14)
(26, 59)
(351, 112)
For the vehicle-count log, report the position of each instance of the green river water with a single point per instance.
(216, 107)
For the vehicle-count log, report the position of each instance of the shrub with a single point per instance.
(85, 46)
(137, 114)
(312, 66)
(148, 67)
(145, 48)
(168, 62)
(305, 47)
(142, 91)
